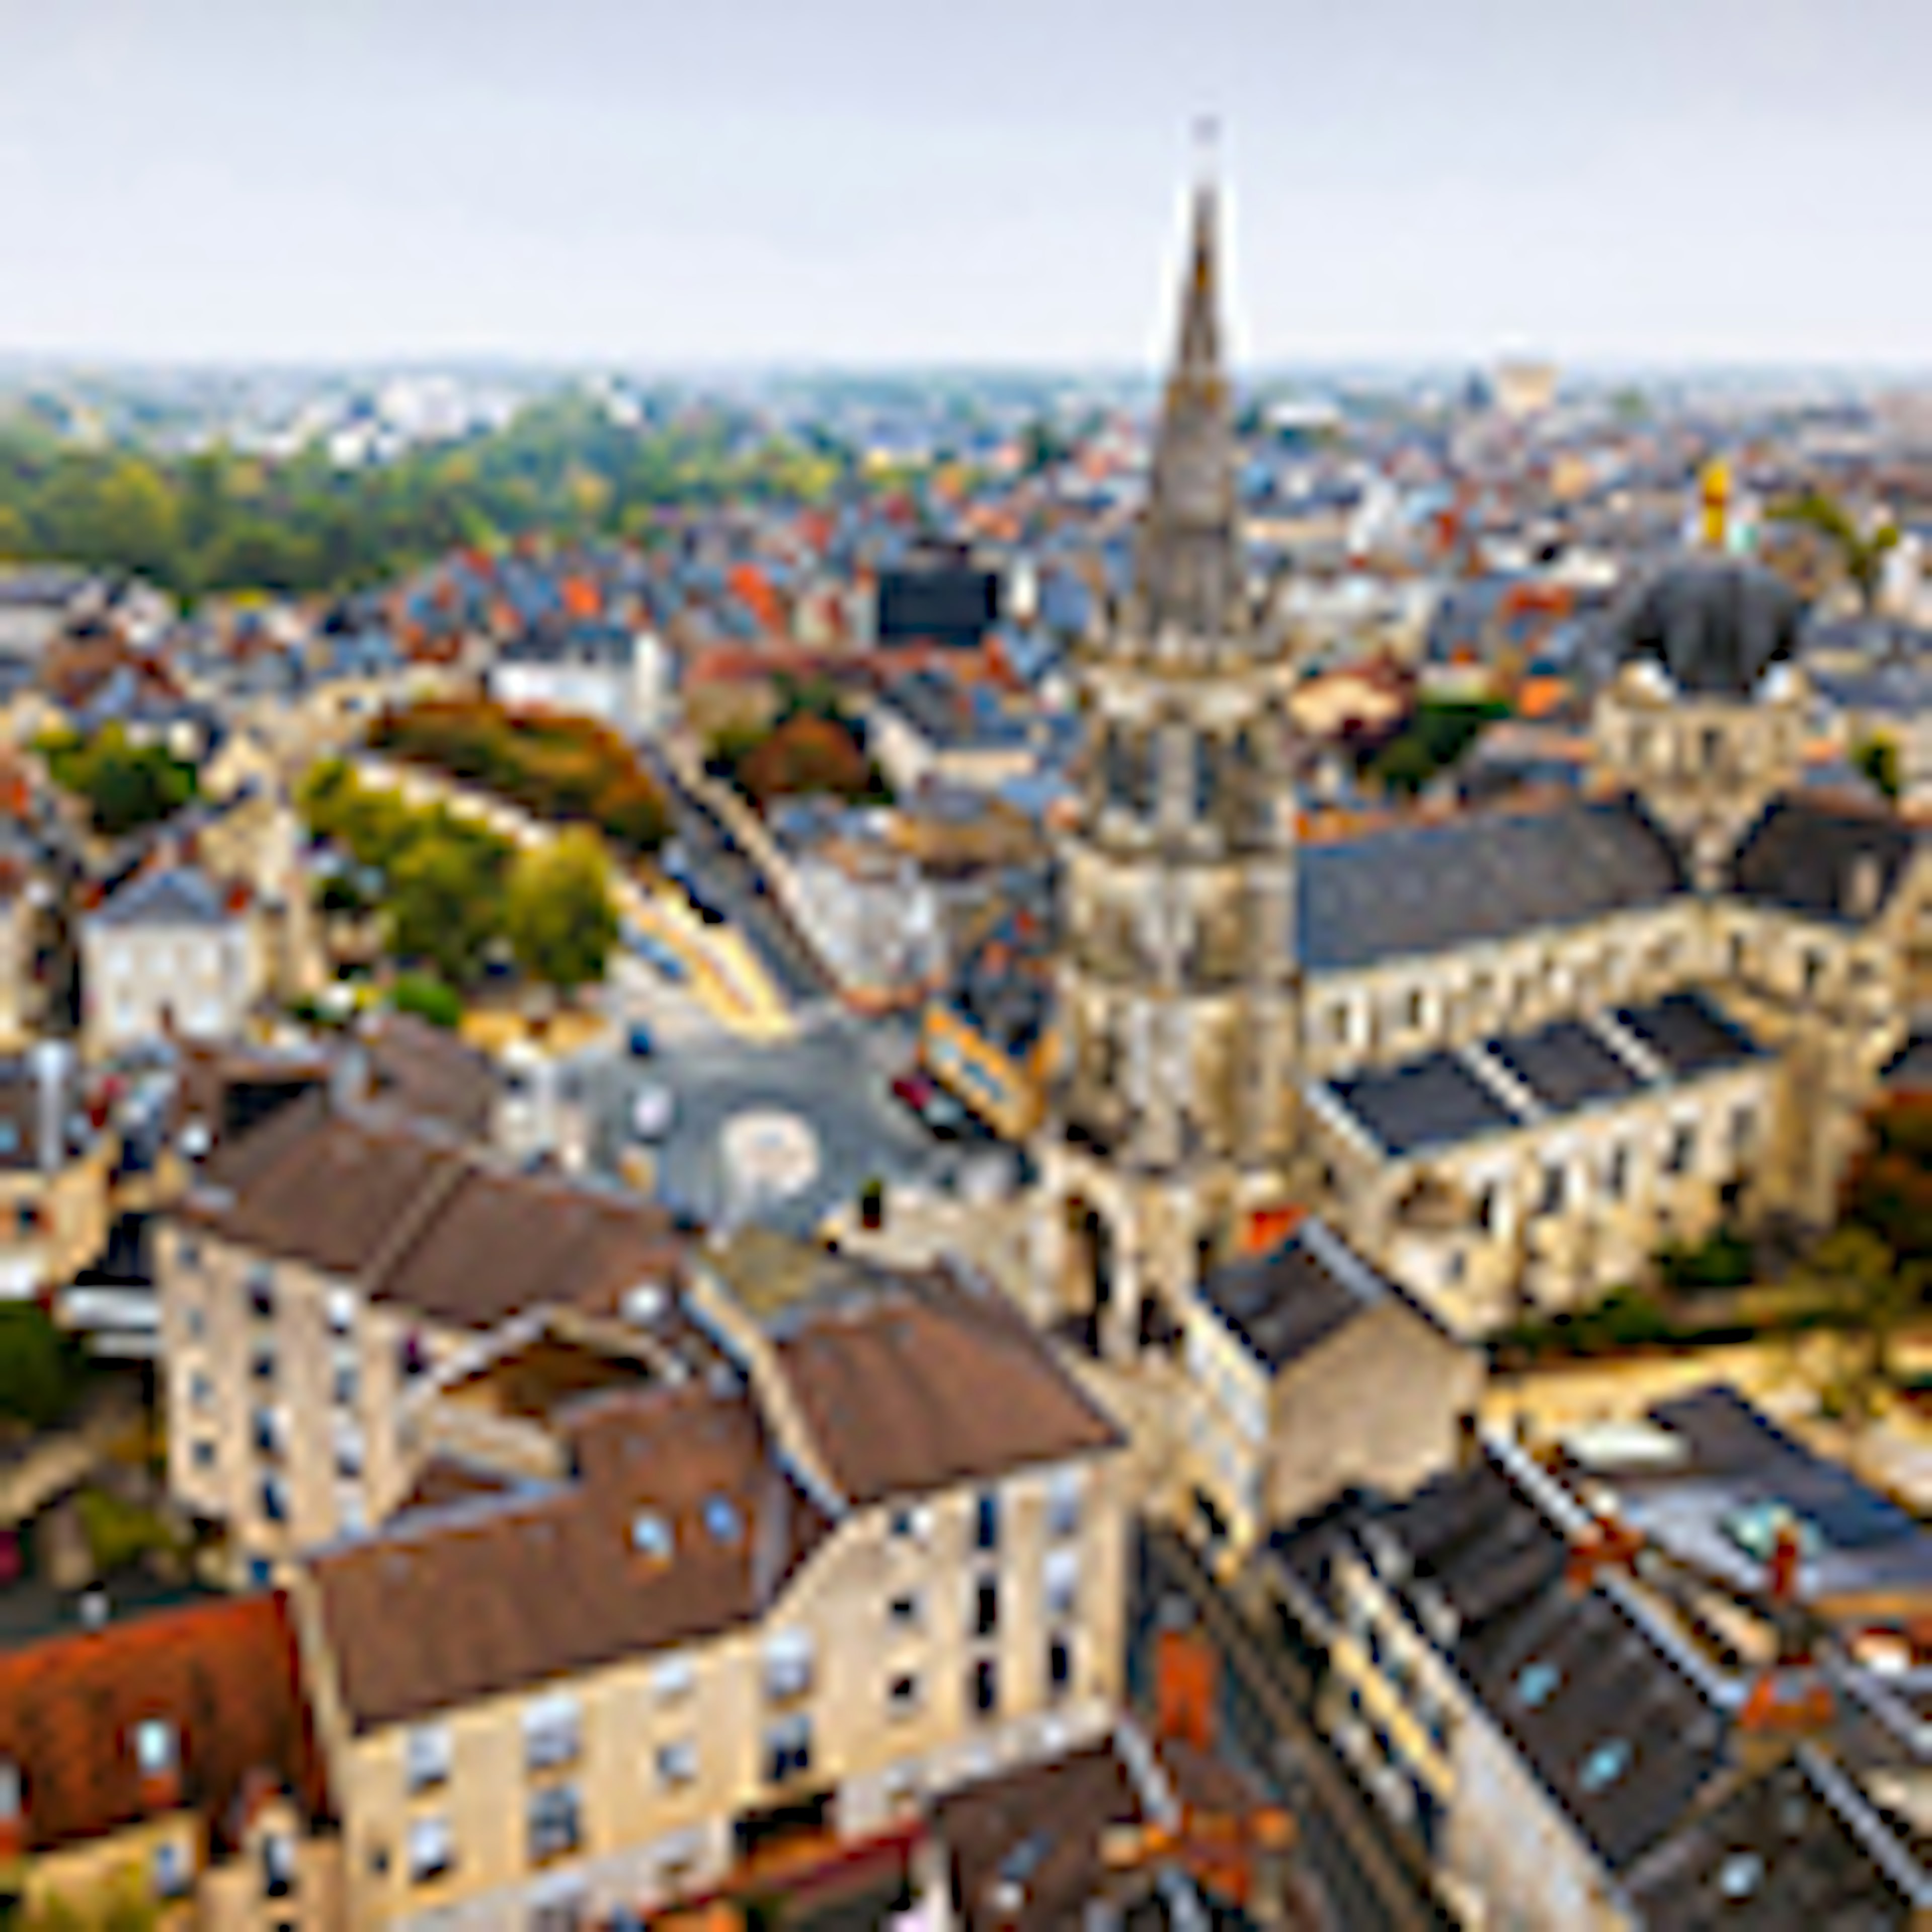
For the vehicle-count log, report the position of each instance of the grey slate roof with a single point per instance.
(175, 896)
(1566, 1066)
(1438, 1100)
(1416, 889)
(1716, 626)
(1283, 1305)
(1430, 1101)
(1689, 1034)
(1804, 856)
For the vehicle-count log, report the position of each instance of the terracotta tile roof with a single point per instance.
(224, 1673)
(492, 1598)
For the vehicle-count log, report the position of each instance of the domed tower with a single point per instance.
(1176, 993)
(1704, 718)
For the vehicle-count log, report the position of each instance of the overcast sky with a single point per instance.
(858, 182)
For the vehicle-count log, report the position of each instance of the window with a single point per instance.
(1551, 1200)
(278, 1865)
(902, 1695)
(267, 1432)
(200, 1389)
(552, 1728)
(196, 1320)
(1604, 1765)
(202, 1454)
(986, 1520)
(788, 1749)
(274, 1499)
(1744, 1126)
(1814, 970)
(677, 1763)
(555, 1822)
(425, 1756)
(788, 1665)
(1616, 1176)
(1740, 1875)
(984, 1688)
(1683, 1144)
(261, 1291)
(412, 1357)
(349, 1451)
(1412, 1007)
(187, 1253)
(1536, 1683)
(1061, 1583)
(676, 1677)
(722, 1520)
(1063, 1502)
(1059, 1666)
(173, 1872)
(155, 1747)
(339, 1308)
(911, 1522)
(1485, 1210)
(986, 1606)
(906, 1610)
(650, 1535)
(262, 1363)
(348, 1382)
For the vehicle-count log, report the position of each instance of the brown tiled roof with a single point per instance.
(444, 1480)
(426, 1072)
(401, 1208)
(496, 1242)
(232, 1089)
(224, 1673)
(318, 1187)
(489, 1599)
(930, 1384)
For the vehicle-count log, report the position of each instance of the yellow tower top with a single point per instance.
(1714, 489)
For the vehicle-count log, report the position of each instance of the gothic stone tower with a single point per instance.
(1173, 1108)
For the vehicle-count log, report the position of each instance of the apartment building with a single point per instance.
(316, 1273)
(165, 1762)
(751, 1615)
(1570, 1747)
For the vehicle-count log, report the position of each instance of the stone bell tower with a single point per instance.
(1173, 1109)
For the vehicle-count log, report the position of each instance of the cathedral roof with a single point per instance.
(1715, 624)
(1825, 861)
(1419, 889)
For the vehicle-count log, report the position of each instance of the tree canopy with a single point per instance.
(126, 785)
(560, 919)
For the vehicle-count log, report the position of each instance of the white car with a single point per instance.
(652, 1110)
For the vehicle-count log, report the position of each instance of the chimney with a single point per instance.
(1184, 1686)
(1273, 1842)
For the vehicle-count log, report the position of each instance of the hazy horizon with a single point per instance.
(1706, 186)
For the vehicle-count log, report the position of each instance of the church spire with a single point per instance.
(1187, 575)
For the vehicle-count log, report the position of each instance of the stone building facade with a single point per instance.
(1508, 1053)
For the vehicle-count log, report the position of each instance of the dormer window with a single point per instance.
(1606, 1763)
(650, 1536)
(722, 1520)
(155, 1747)
(10, 1796)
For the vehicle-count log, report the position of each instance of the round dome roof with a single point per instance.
(1716, 626)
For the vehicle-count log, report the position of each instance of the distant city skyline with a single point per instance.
(859, 184)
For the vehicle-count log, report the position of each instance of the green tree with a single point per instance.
(1862, 547)
(428, 999)
(40, 1374)
(1858, 1281)
(446, 903)
(561, 919)
(1877, 758)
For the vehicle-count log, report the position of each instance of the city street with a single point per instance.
(1367, 1883)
